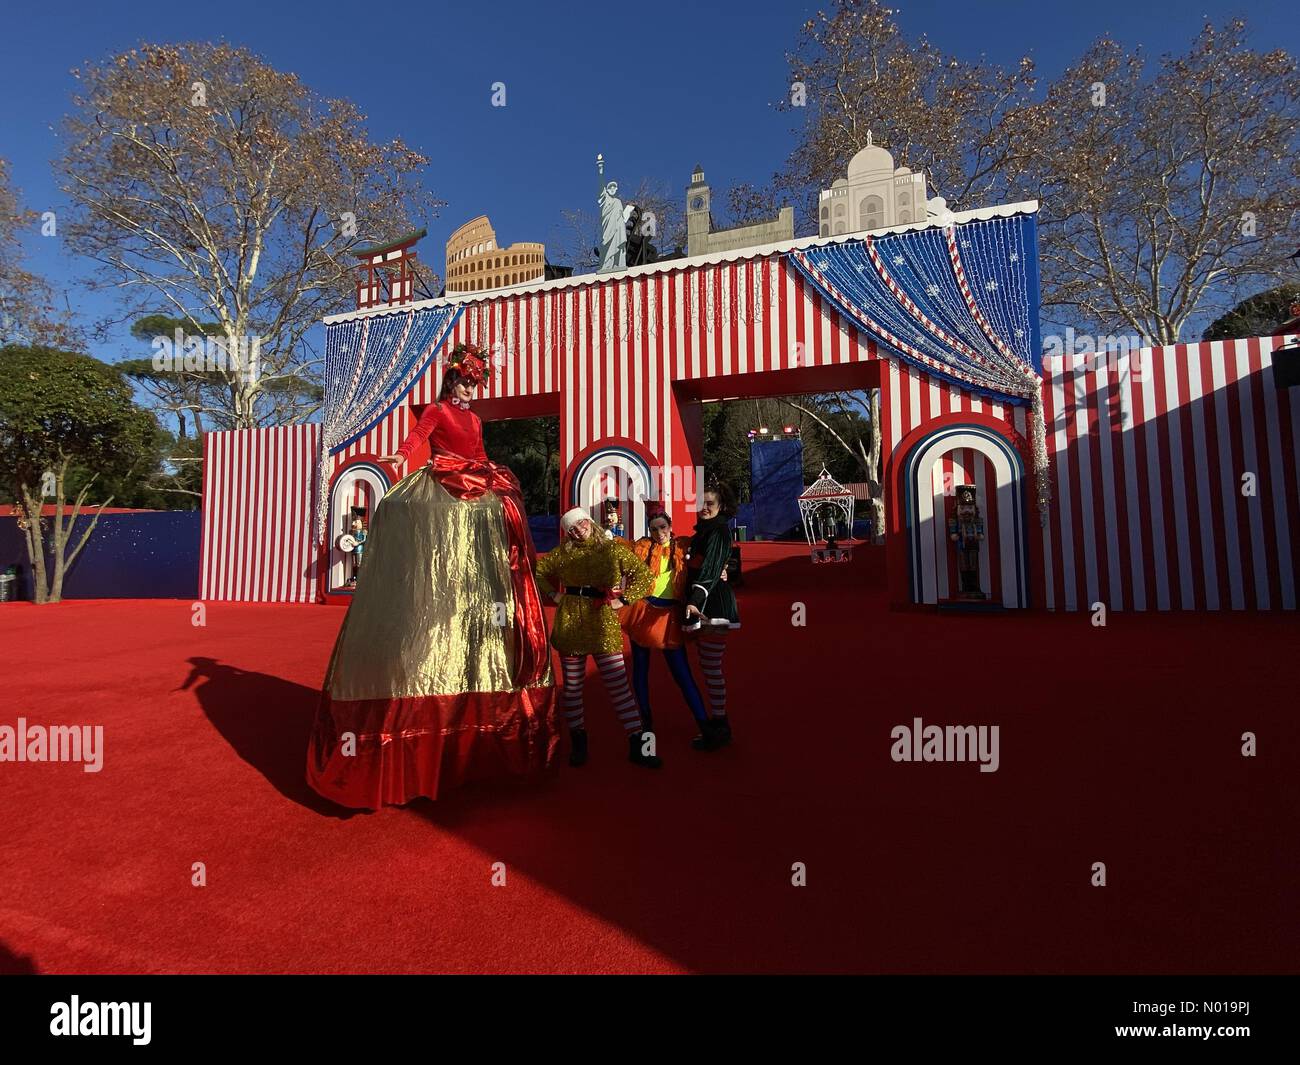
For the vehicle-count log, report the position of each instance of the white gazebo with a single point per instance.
(827, 499)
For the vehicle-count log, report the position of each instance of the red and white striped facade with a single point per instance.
(609, 352)
(605, 356)
(1147, 466)
(257, 515)
(1175, 478)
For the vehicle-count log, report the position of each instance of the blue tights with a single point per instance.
(680, 668)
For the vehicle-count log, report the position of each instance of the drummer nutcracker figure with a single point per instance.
(359, 538)
(966, 530)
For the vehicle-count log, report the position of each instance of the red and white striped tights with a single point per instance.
(613, 671)
(714, 682)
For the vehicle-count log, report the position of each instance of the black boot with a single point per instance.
(634, 755)
(577, 746)
(714, 733)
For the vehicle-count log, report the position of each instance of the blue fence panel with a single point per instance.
(546, 531)
(148, 555)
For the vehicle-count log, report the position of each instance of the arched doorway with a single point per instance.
(356, 491)
(925, 472)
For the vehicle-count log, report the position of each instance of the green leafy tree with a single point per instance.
(61, 412)
(1255, 316)
(531, 448)
(726, 444)
(169, 476)
(194, 399)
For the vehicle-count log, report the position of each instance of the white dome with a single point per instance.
(871, 160)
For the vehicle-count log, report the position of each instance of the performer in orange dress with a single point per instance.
(442, 669)
(655, 622)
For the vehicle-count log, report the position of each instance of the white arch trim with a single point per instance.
(340, 502)
(924, 536)
(619, 473)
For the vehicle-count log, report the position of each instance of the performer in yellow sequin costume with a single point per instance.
(598, 577)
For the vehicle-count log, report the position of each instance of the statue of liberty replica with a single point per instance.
(613, 224)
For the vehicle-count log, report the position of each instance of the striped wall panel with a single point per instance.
(1154, 457)
(257, 515)
(1147, 453)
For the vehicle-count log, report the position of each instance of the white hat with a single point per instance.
(571, 518)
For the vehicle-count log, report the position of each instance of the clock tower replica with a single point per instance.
(697, 214)
(703, 239)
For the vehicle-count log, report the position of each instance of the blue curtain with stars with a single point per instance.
(371, 363)
(959, 302)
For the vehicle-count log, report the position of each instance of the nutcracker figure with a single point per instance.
(966, 530)
(613, 521)
(359, 535)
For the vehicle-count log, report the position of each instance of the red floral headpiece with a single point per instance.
(471, 362)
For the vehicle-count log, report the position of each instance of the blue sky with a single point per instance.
(656, 88)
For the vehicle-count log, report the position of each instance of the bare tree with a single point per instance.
(574, 241)
(748, 203)
(968, 125)
(28, 310)
(657, 200)
(1165, 198)
(209, 186)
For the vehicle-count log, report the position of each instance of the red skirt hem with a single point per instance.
(408, 748)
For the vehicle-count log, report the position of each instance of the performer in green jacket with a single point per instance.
(711, 606)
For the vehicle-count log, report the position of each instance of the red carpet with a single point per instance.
(1119, 745)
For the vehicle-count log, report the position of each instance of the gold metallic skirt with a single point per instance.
(421, 691)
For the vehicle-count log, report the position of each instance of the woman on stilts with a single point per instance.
(711, 611)
(591, 578)
(441, 672)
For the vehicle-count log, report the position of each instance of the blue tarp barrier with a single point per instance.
(775, 482)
